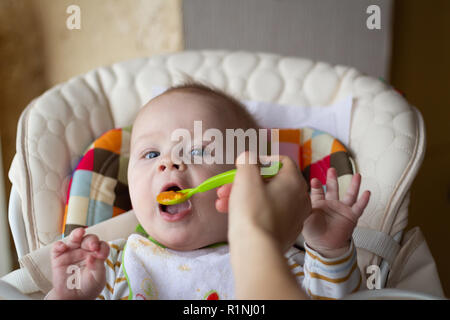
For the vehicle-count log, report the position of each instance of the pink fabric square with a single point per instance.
(87, 162)
(291, 150)
(319, 169)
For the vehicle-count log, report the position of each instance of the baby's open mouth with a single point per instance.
(176, 208)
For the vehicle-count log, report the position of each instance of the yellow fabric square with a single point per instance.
(77, 210)
(321, 146)
(306, 135)
(102, 188)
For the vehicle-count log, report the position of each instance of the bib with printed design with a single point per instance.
(154, 272)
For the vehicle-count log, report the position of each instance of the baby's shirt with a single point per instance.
(139, 268)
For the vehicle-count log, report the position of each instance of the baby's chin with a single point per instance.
(179, 238)
(180, 245)
(184, 240)
(184, 235)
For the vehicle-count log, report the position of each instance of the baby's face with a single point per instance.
(196, 223)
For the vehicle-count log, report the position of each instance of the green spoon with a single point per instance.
(175, 197)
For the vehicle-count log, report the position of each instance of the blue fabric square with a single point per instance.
(317, 133)
(81, 183)
(98, 211)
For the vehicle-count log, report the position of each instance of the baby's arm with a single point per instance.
(326, 278)
(330, 266)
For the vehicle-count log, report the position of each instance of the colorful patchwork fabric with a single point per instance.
(98, 189)
(314, 152)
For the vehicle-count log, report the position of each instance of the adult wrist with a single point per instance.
(250, 236)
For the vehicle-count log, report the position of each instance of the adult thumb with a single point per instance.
(247, 174)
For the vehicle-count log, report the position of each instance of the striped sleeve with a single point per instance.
(116, 287)
(324, 278)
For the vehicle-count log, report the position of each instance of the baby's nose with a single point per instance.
(163, 167)
(168, 164)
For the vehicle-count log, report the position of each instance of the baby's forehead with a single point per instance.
(180, 105)
(180, 110)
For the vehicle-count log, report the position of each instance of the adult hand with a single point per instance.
(278, 206)
(265, 219)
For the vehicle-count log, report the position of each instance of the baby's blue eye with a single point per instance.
(151, 154)
(197, 152)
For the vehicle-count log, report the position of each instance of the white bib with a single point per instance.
(154, 272)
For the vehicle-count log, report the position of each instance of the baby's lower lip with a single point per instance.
(172, 217)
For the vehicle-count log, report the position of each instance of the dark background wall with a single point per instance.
(421, 70)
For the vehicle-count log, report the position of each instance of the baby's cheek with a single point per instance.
(139, 193)
(132, 189)
(220, 222)
(217, 218)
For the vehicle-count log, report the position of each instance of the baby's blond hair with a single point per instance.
(245, 119)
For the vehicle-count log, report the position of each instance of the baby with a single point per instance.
(182, 251)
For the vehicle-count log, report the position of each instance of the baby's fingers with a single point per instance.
(93, 244)
(224, 191)
(223, 194)
(352, 191)
(332, 185)
(361, 204)
(58, 249)
(222, 205)
(90, 243)
(317, 193)
(69, 257)
(75, 238)
(103, 251)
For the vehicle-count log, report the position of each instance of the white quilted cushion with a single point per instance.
(386, 137)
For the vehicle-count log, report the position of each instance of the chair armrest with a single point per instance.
(16, 223)
(9, 292)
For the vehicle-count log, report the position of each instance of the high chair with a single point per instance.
(387, 142)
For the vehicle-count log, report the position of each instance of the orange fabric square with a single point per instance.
(306, 154)
(337, 146)
(65, 218)
(111, 141)
(290, 135)
(117, 211)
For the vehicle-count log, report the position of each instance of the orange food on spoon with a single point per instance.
(168, 196)
(175, 197)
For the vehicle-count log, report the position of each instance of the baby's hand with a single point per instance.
(86, 253)
(329, 228)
